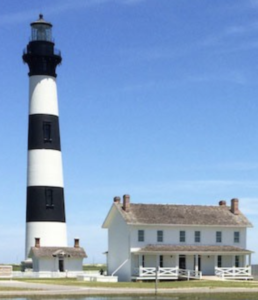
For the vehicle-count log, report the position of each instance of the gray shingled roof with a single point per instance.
(55, 251)
(191, 248)
(168, 214)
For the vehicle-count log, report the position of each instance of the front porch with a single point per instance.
(166, 263)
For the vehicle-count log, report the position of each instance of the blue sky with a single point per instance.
(157, 99)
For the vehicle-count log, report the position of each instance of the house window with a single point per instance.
(182, 236)
(140, 235)
(236, 237)
(143, 261)
(47, 132)
(159, 236)
(49, 198)
(219, 261)
(197, 236)
(161, 261)
(218, 237)
(237, 262)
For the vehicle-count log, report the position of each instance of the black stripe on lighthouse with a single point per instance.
(44, 132)
(45, 203)
(42, 58)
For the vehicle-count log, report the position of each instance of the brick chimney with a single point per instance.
(37, 242)
(126, 203)
(234, 206)
(76, 243)
(222, 203)
(117, 199)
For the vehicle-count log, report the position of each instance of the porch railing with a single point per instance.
(151, 272)
(234, 272)
(163, 272)
(190, 274)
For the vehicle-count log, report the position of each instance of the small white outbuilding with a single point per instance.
(57, 259)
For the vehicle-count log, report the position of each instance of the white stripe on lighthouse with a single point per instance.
(43, 95)
(45, 168)
(50, 234)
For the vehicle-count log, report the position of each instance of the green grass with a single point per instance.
(16, 267)
(90, 267)
(93, 267)
(12, 289)
(161, 285)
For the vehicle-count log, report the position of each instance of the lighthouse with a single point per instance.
(45, 205)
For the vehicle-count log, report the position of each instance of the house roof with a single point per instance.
(57, 251)
(170, 214)
(191, 248)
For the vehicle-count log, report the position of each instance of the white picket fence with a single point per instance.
(31, 274)
(6, 271)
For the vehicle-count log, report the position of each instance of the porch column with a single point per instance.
(215, 261)
(215, 264)
(244, 260)
(233, 260)
(177, 261)
(249, 260)
(196, 263)
(140, 260)
(140, 264)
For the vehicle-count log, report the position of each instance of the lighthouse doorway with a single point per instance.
(61, 265)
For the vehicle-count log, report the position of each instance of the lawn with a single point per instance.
(161, 285)
(13, 289)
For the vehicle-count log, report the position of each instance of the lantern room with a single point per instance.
(41, 30)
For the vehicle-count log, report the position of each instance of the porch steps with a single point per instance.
(211, 277)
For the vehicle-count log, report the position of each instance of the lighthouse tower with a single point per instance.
(45, 211)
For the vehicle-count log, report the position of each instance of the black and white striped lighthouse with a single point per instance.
(45, 211)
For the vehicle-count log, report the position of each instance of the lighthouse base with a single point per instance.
(51, 234)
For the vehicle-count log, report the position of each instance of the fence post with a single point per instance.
(156, 280)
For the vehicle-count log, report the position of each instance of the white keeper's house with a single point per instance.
(175, 241)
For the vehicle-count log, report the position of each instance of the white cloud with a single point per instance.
(17, 17)
(234, 32)
(254, 3)
(249, 206)
(56, 8)
(237, 166)
(130, 2)
(232, 76)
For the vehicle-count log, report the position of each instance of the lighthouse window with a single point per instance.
(47, 132)
(49, 198)
(41, 32)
